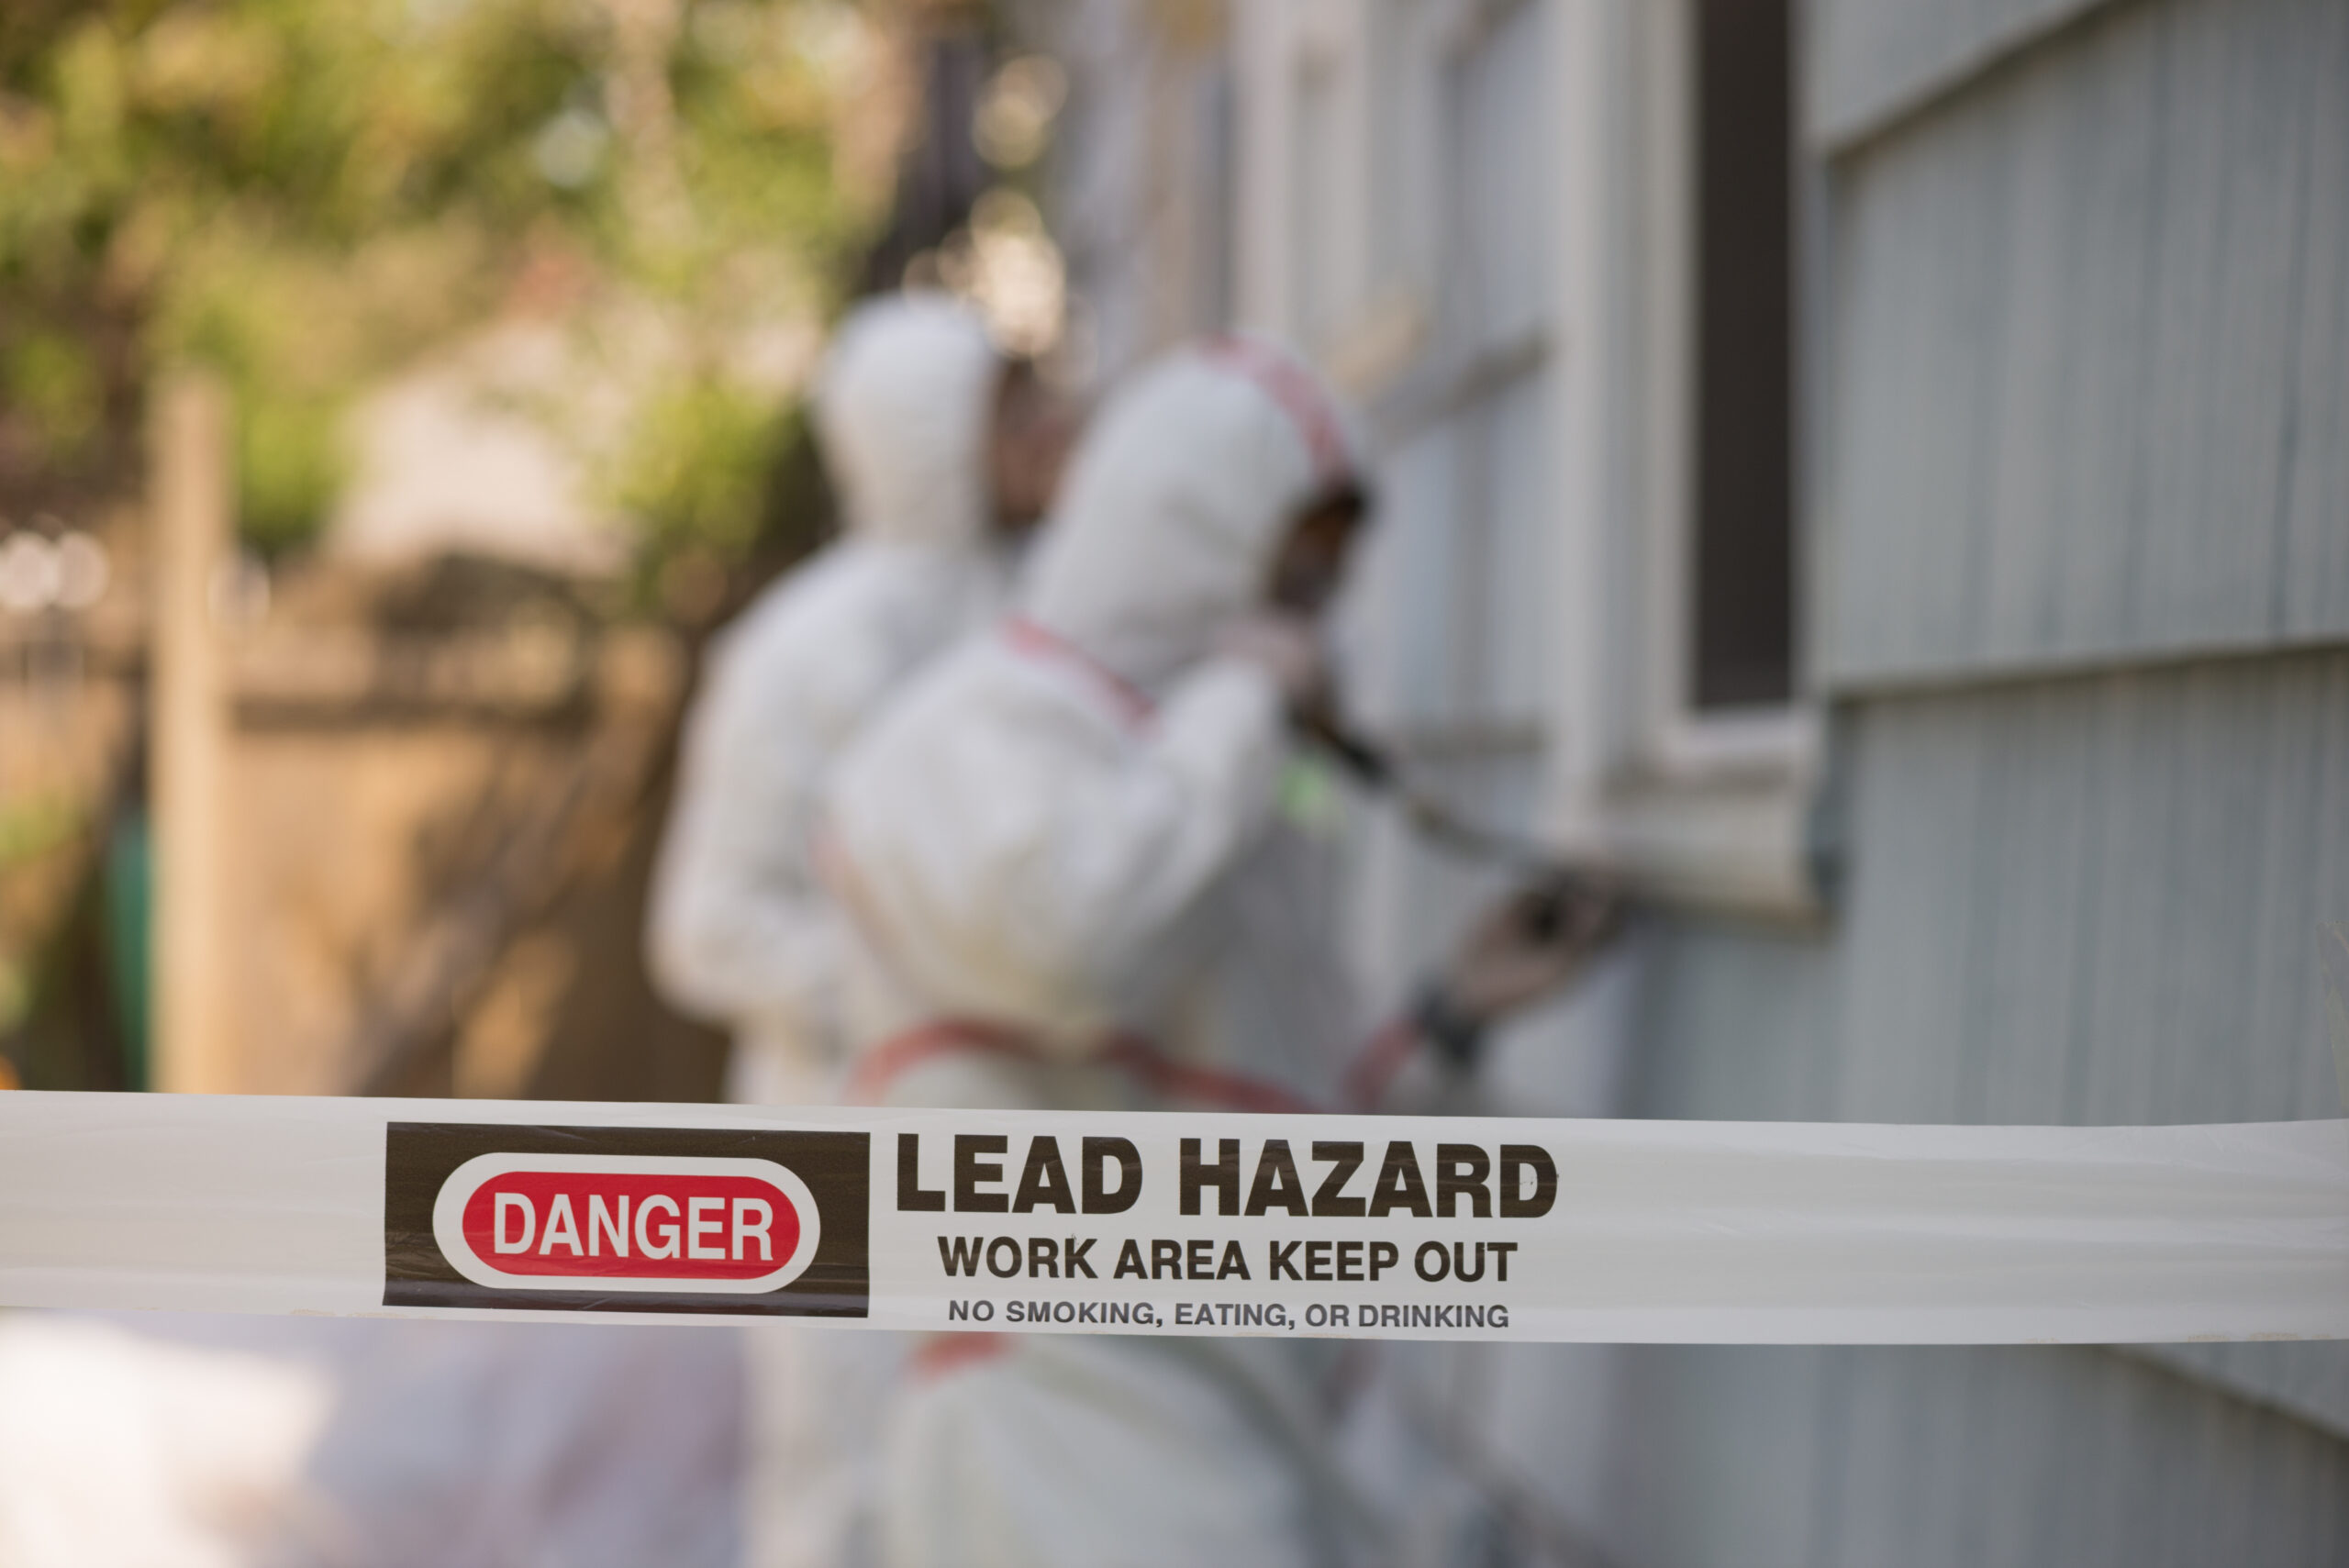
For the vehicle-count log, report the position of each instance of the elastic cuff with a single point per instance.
(1457, 1038)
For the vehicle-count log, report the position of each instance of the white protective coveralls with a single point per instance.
(741, 929)
(1074, 886)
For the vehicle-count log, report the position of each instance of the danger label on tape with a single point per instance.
(614, 1219)
(1175, 1223)
(545, 1217)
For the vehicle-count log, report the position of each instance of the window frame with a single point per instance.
(1711, 808)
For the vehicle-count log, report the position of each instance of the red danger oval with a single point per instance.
(625, 1222)
(610, 1225)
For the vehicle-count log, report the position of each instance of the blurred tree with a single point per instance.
(307, 193)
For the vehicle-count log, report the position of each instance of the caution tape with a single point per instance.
(1385, 1226)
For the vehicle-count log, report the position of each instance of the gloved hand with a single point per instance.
(1536, 939)
(1287, 646)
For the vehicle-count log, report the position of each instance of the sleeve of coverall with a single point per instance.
(739, 929)
(1134, 846)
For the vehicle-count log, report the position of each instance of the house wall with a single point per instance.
(2077, 602)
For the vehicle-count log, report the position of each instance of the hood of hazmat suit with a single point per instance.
(1175, 509)
(1067, 838)
(740, 930)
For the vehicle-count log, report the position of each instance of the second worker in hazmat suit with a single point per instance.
(1065, 852)
(942, 453)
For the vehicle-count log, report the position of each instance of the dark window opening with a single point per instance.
(1742, 555)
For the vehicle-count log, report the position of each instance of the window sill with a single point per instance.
(1717, 817)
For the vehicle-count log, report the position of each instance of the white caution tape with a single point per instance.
(1211, 1224)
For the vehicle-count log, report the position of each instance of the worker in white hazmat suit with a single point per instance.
(1074, 886)
(943, 454)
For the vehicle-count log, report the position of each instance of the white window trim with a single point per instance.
(1711, 809)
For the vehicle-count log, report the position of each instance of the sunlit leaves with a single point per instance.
(309, 194)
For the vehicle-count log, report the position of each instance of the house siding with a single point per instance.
(1874, 61)
(2081, 547)
(2090, 348)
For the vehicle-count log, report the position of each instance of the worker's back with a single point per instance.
(741, 929)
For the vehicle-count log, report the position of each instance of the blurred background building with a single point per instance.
(1875, 467)
(394, 393)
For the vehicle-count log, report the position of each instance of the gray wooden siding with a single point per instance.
(2089, 391)
(1857, 1457)
(2087, 428)
(1869, 62)
(2091, 900)
(2311, 1381)
(2096, 899)
(1862, 1457)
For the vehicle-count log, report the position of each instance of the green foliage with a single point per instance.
(53, 388)
(290, 464)
(32, 827)
(307, 193)
(695, 468)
